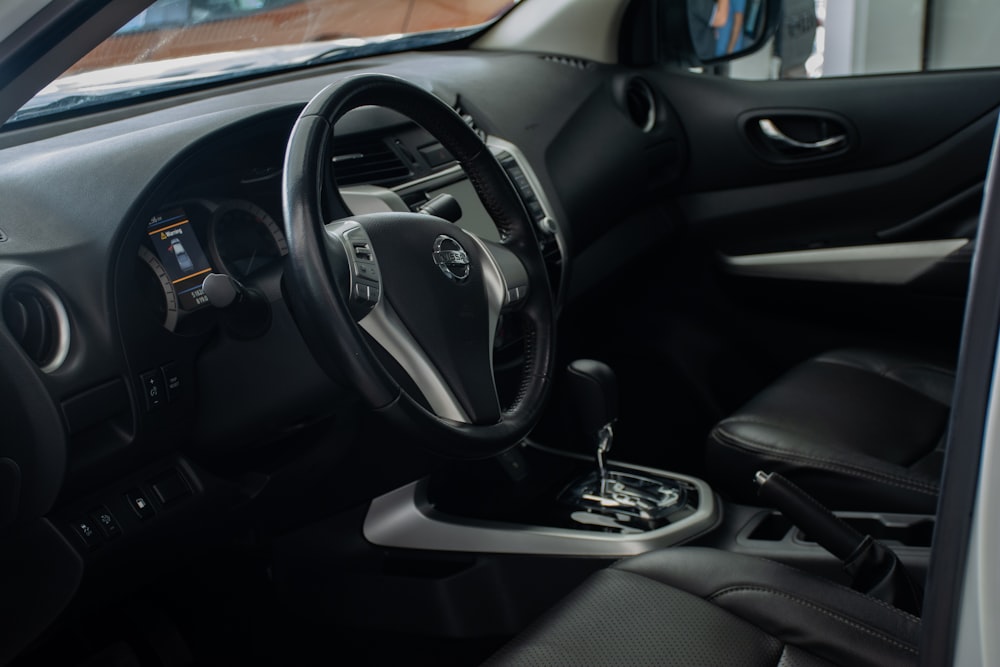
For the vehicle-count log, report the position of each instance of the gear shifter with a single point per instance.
(595, 392)
(613, 496)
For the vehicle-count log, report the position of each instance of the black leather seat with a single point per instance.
(698, 606)
(858, 429)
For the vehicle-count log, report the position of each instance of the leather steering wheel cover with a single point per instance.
(318, 301)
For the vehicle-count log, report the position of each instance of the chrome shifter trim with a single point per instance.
(405, 519)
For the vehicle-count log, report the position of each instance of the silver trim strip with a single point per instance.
(387, 329)
(433, 178)
(500, 283)
(772, 132)
(62, 329)
(362, 199)
(405, 519)
(977, 642)
(885, 263)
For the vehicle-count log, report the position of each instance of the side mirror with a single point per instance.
(721, 30)
(692, 33)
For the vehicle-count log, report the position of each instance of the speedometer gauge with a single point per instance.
(162, 292)
(245, 238)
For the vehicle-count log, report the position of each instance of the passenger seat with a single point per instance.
(858, 429)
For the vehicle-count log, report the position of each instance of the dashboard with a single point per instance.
(152, 362)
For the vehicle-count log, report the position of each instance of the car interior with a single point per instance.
(549, 344)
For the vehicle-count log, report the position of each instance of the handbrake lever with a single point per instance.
(874, 568)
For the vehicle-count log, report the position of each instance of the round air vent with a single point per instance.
(641, 104)
(37, 319)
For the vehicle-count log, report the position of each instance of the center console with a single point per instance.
(525, 528)
(608, 510)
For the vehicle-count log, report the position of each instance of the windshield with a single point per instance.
(179, 43)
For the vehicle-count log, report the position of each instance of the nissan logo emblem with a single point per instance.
(451, 258)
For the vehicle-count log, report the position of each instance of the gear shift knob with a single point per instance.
(594, 389)
(595, 392)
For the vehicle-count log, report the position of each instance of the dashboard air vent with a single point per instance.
(367, 161)
(577, 63)
(641, 104)
(37, 319)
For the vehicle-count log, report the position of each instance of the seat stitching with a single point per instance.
(857, 625)
(882, 603)
(907, 616)
(736, 442)
(750, 419)
(885, 478)
(720, 430)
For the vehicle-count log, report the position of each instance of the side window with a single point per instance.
(837, 38)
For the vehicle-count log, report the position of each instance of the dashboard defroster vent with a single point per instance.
(577, 63)
(35, 316)
(368, 161)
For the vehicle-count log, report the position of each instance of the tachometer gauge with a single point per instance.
(245, 239)
(160, 291)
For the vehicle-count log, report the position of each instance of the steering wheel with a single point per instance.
(405, 306)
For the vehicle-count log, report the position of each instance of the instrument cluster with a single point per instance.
(189, 240)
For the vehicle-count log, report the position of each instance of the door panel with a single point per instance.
(895, 118)
(782, 255)
(871, 180)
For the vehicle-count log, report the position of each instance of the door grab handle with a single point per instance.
(772, 132)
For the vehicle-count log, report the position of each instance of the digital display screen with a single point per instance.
(181, 254)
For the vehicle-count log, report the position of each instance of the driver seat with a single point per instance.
(701, 606)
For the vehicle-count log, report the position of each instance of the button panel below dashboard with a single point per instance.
(161, 386)
(153, 495)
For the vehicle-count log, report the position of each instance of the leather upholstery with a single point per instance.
(857, 429)
(700, 606)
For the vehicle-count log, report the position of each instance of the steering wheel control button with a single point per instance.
(172, 381)
(515, 294)
(363, 252)
(106, 522)
(154, 389)
(366, 277)
(368, 270)
(366, 292)
(170, 487)
(451, 258)
(140, 503)
(88, 532)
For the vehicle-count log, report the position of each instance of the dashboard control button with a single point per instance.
(88, 532)
(140, 503)
(170, 487)
(435, 154)
(172, 381)
(153, 389)
(547, 225)
(106, 522)
(367, 270)
(537, 212)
